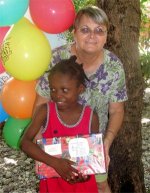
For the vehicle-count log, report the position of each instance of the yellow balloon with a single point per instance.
(25, 52)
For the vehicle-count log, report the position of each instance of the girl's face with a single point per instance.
(64, 90)
(89, 36)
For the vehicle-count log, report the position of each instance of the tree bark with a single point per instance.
(126, 172)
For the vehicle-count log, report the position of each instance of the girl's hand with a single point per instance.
(80, 178)
(65, 169)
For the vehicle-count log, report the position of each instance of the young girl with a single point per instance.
(62, 116)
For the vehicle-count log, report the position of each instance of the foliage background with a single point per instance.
(144, 41)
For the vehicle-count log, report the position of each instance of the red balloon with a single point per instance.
(52, 16)
(17, 98)
(3, 31)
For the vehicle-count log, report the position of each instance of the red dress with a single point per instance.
(55, 128)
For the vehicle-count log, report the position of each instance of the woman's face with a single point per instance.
(89, 36)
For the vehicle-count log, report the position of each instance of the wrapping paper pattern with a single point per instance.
(87, 151)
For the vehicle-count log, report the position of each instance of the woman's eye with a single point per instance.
(98, 30)
(84, 30)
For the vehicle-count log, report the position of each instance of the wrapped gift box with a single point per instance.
(87, 151)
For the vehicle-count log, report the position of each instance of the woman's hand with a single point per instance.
(106, 149)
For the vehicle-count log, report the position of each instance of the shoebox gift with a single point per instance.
(87, 151)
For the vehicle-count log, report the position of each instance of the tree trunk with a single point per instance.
(126, 172)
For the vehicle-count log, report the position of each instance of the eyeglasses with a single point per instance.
(97, 31)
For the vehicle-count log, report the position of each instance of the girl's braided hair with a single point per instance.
(70, 67)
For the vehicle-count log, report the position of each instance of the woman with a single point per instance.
(106, 90)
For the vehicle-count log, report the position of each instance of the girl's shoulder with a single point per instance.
(41, 110)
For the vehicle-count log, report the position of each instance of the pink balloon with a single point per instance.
(3, 31)
(52, 16)
(2, 69)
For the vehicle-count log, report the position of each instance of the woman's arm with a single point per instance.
(116, 114)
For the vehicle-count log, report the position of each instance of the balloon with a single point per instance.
(2, 69)
(3, 114)
(52, 16)
(12, 10)
(26, 52)
(13, 130)
(18, 97)
(3, 78)
(3, 31)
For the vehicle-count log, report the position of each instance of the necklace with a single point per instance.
(66, 125)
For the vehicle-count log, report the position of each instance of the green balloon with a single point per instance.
(13, 130)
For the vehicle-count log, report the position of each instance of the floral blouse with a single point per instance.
(106, 85)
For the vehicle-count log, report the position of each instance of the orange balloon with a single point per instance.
(17, 98)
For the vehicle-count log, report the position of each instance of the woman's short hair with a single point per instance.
(93, 12)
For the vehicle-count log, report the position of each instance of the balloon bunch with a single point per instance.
(25, 54)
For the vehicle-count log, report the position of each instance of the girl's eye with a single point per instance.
(65, 90)
(52, 89)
